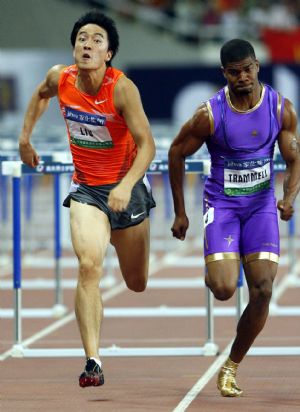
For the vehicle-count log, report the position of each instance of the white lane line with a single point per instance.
(114, 291)
(203, 380)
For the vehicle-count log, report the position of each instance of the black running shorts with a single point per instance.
(138, 209)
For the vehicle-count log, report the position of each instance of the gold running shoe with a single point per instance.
(226, 379)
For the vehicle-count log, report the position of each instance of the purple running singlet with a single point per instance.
(239, 205)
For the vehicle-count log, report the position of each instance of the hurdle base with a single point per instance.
(59, 310)
(274, 351)
(116, 351)
(210, 349)
(17, 351)
(35, 313)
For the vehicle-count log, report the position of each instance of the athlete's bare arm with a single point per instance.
(190, 138)
(128, 103)
(37, 106)
(289, 146)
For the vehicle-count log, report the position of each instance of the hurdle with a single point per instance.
(59, 309)
(16, 170)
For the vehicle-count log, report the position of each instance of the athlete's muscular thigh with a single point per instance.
(222, 277)
(221, 228)
(132, 247)
(260, 275)
(260, 231)
(90, 233)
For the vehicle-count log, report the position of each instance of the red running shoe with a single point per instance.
(92, 375)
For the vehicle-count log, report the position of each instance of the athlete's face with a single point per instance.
(242, 76)
(91, 47)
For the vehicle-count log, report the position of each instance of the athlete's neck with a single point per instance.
(90, 81)
(243, 102)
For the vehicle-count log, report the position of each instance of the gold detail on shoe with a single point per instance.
(226, 379)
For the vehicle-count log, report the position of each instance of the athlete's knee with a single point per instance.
(136, 284)
(261, 292)
(89, 270)
(222, 292)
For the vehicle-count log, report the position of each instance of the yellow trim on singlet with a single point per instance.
(244, 111)
(261, 256)
(211, 118)
(279, 106)
(222, 256)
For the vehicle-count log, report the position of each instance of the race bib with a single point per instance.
(88, 130)
(245, 177)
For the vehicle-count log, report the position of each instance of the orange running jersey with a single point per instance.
(102, 147)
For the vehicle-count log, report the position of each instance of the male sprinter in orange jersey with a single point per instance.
(112, 147)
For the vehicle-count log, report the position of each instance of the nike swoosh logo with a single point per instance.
(135, 216)
(100, 101)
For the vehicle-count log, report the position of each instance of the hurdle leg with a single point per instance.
(167, 206)
(240, 294)
(4, 215)
(290, 279)
(210, 348)
(292, 245)
(17, 350)
(109, 278)
(3, 198)
(59, 309)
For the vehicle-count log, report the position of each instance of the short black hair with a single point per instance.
(95, 17)
(236, 50)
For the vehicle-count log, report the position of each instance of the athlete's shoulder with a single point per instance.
(289, 114)
(51, 83)
(66, 71)
(72, 69)
(55, 71)
(217, 100)
(273, 92)
(125, 87)
(277, 101)
(269, 87)
(115, 72)
(112, 76)
(209, 111)
(66, 74)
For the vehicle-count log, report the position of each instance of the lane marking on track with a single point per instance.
(114, 291)
(203, 380)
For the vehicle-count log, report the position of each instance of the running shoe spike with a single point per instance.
(92, 374)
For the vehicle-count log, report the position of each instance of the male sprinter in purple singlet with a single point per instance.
(240, 126)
